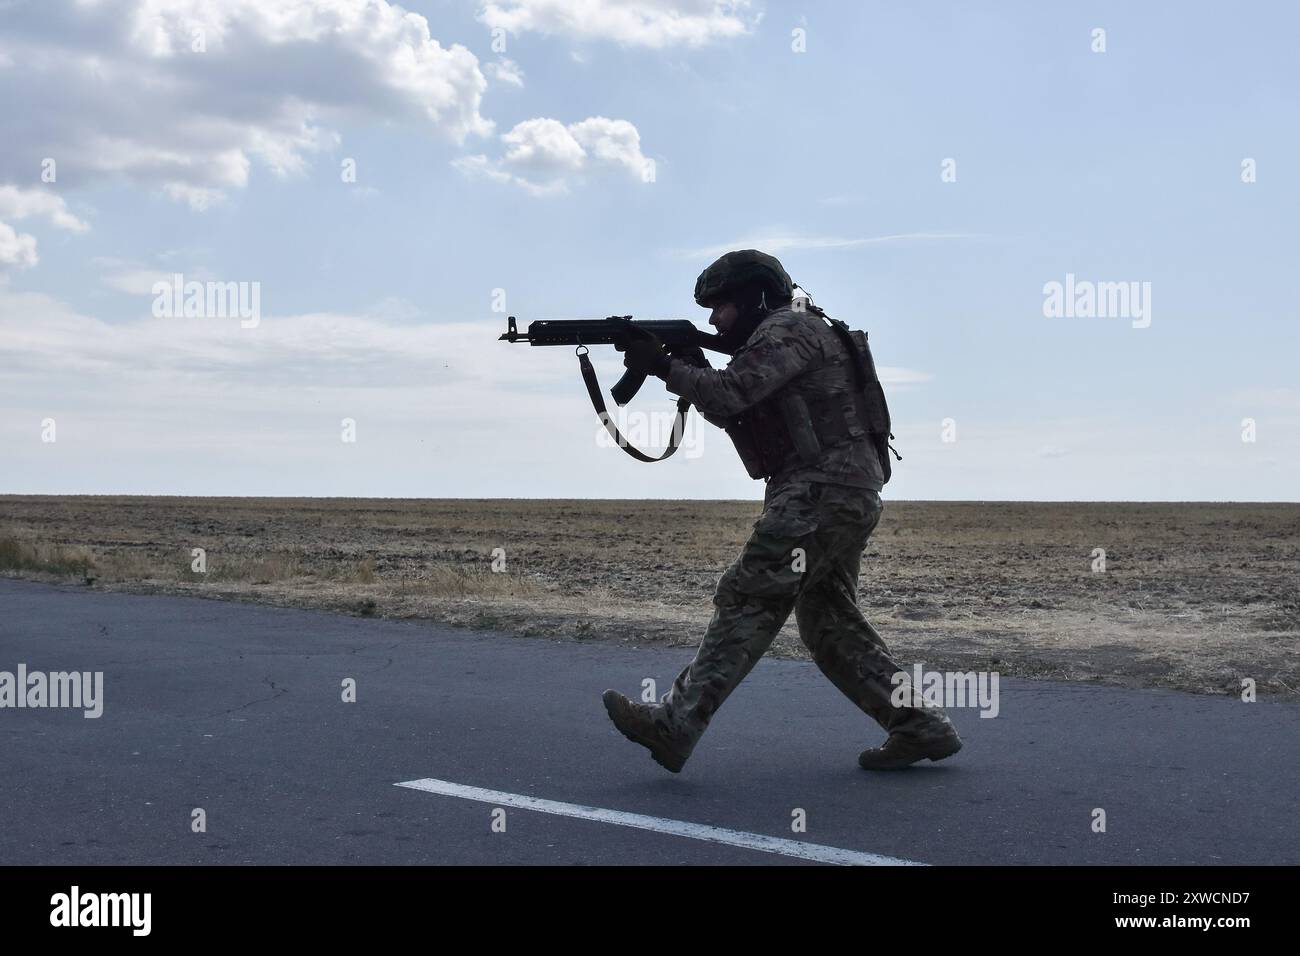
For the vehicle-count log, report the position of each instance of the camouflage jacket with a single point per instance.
(792, 360)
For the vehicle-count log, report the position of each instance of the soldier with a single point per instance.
(788, 400)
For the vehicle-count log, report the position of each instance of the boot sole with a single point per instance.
(670, 762)
(940, 751)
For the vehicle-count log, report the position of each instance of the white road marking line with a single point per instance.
(695, 831)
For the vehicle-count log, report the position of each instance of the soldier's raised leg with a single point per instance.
(854, 657)
(752, 601)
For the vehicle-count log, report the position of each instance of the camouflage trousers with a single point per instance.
(804, 556)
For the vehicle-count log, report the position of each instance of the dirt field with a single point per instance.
(1193, 596)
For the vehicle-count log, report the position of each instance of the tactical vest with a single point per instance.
(788, 429)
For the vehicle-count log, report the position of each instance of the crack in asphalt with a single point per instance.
(277, 692)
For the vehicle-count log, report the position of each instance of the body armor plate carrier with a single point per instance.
(786, 430)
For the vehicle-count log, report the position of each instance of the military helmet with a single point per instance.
(737, 270)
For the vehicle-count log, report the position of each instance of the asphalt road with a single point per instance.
(238, 710)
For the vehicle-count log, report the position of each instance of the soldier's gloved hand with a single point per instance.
(644, 353)
(690, 354)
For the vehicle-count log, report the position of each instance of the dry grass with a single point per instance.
(1195, 596)
(35, 557)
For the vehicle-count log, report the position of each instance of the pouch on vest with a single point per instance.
(799, 429)
(766, 437)
(741, 433)
(870, 396)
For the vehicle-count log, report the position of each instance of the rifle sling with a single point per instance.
(598, 403)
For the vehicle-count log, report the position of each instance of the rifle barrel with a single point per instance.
(609, 331)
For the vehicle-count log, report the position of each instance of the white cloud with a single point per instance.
(480, 166)
(544, 146)
(18, 203)
(161, 405)
(647, 23)
(543, 155)
(44, 339)
(17, 249)
(116, 88)
(505, 71)
(612, 141)
(199, 198)
(139, 280)
(898, 377)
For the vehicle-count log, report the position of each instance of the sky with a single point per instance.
(385, 183)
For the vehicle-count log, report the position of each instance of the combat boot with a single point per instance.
(637, 723)
(902, 750)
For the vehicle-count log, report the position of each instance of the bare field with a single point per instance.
(1194, 596)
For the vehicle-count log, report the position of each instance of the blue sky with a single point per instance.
(525, 169)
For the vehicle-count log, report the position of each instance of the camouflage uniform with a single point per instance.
(827, 507)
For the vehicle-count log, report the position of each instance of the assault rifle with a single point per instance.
(680, 336)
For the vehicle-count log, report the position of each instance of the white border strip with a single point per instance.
(694, 831)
